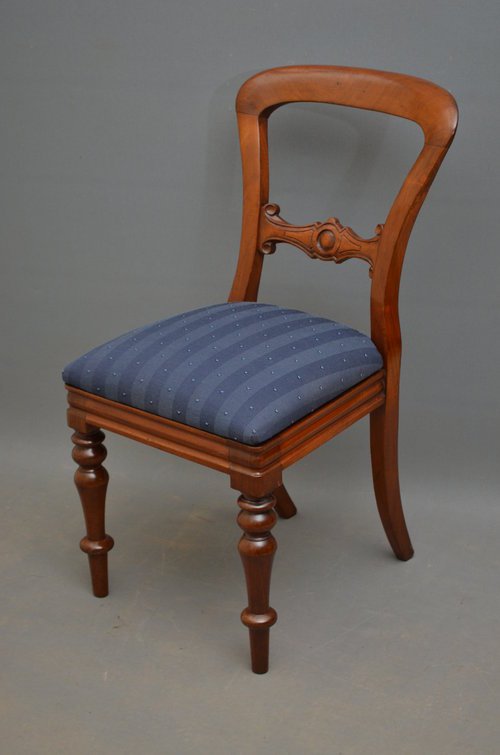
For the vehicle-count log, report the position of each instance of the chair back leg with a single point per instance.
(384, 455)
(285, 507)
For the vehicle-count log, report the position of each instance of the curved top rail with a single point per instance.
(432, 107)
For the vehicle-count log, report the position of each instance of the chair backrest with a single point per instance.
(433, 108)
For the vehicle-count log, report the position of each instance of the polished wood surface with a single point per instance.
(256, 471)
(91, 480)
(325, 241)
(257, 547)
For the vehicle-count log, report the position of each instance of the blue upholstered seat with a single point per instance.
(240, 370)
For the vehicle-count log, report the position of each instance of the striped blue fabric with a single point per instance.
(241, 370)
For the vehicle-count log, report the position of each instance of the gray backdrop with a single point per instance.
(120, 199)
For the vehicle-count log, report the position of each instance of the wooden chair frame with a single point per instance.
(256, 471)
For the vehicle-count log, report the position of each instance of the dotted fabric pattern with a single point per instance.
(241, 370)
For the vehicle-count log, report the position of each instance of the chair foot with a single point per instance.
(91, 480)
(257, 547)
(384, 453)
(285, 507)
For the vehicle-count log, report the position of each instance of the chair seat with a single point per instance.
(241, 370)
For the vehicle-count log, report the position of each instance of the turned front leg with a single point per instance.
(257, 547)
(91, 480)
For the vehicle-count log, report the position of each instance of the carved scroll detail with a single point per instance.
(326, 241)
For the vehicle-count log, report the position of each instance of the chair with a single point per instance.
(249, 388)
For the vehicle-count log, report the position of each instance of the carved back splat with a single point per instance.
(325, 241)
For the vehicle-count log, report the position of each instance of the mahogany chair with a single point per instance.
(248, 388)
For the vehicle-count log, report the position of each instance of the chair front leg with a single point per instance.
(257, 547)
(91, 480)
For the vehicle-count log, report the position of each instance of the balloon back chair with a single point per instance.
(249, 388)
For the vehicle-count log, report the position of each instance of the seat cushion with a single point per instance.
(240, 370)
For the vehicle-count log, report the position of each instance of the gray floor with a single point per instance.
(369, 655)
